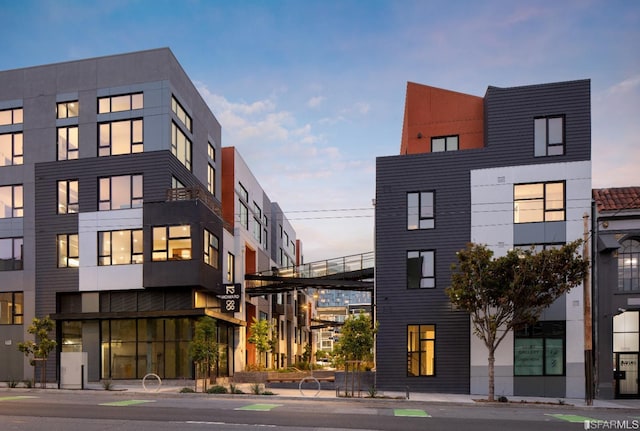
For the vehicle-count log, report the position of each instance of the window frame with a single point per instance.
(541, 330)
(16, 261)
(628, 254)
(420, 352)
(183, 152)
(136, 252)
(17, 202)
(244, 215)
(211, 179)
(70, 207)
(181, 113)
(132, 104)
(211, 151)
(446, 139)
(547, 209)
(66, 109)
(211, 249)
(67, 238)
(16, 116)
(15, 307)
(135, 144)
(17, 148)
(418, 217)
(66, 147)
(542, 144)
(135, 201)
(167, 243)
(428, 278)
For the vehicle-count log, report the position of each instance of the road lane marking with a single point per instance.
(416, 413)
(259, 407)
(17, 397)
(127, 402)
(571, 418)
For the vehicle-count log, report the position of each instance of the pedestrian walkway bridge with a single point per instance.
(353, 272)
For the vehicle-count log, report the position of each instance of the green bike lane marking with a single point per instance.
(571, 418)
(17, 397)
(259, 407)
(415, 413)
(127, 402)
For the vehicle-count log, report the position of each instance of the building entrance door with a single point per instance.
(626, 375)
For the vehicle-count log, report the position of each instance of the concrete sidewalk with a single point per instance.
(310, 391)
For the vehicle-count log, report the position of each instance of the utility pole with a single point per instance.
(588, 323)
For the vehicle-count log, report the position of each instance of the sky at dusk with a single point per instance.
(311, 92)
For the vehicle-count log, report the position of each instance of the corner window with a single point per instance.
(68, 256)
(121, 247)
(421, 269)
(11, 308)
(628, 269)
(68, 196)
(67, 143)
(538, 202)
(11, 149)
(11, 116)
(539, 349)
(444, 143)
(11, 204)
(420, 213)
(121, 192)
(180, 145)
(11, 253)
(421, 350)
(124, 102)
(120, 137)
(171, 243)
(549, 136)
(211, 249)
(67, 109)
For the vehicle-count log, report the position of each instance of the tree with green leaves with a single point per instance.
(356, 339)
(260, 336)
(506, 293)
(39, 349)
(204, 348)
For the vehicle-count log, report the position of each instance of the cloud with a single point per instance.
(316, 101)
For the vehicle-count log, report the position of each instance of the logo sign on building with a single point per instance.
(230, 301)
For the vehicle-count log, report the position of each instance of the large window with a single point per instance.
(11, 204)
(244, 216)
(67, 109)
(625, 332)
(421, 269)
(171, 243)
(67, 196)
(244, 194)
(628, 269)
(68, 255)
(231, 268)
(421, 350)
(120, 192)
(444, 143)
(211, 249)
(180, 145)
(11, 149)
(212, 152)
(211, 179)
(549, 136)
(121, 247)
(11, 308)
(182, 115)
(539, 349)
(10, 116)
(68, 143)
(420, 213)
(120, 137)
(538, 202)
(71, 336)
(124, 102)
(11, 254)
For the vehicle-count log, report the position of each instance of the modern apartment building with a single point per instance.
(616, 251)
(111, 187)
(510, 169)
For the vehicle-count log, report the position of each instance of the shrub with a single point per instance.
(187, 391)
(235, 389)
(107, 385)
(12, 383)
(256, 388)
(217, 389)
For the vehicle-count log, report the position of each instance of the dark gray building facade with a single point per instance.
(529, 183)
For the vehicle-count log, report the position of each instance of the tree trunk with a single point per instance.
(492, 361)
